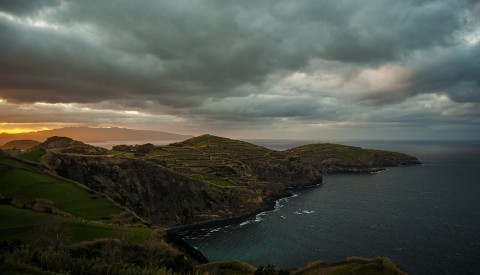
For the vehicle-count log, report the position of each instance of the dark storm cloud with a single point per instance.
(25, 7)
(457, 72)
(194, 58)
(385, 30)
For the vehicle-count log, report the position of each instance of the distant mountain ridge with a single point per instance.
(20, 144)
(90, 134)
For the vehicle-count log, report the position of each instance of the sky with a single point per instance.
(344, 69)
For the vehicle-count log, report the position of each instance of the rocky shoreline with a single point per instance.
(270, 201)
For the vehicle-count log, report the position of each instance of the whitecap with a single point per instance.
(246, 222)
(258, 217)
(215, 229)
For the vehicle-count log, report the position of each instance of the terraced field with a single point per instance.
(224, 162)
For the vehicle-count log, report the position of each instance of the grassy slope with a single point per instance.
(26, 183)
(33, 155)
(22, 224)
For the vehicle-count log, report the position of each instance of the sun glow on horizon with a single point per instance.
(16, 131)
(19, 130)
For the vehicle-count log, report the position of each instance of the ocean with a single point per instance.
(426, 218)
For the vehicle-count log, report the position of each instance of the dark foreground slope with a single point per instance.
(335, 158)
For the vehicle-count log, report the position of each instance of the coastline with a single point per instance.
(271, 201)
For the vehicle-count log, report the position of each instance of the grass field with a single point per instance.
(26, 184)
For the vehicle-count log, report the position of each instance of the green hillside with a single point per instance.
(28, 186)
(227, 162)
(34, 154)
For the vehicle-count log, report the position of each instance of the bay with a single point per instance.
(426, 218)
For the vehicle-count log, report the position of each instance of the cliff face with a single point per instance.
(153, 192)
(335, 158)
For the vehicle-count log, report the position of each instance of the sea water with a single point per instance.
(426, 218)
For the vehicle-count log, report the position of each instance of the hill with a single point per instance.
(70, 146)
(20, 144)
(89, 134)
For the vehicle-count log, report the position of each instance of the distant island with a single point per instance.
(133, 193)
(91, 134)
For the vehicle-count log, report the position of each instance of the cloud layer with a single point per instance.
(222, 63)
